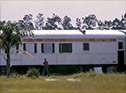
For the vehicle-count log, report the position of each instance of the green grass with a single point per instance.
(89, 83)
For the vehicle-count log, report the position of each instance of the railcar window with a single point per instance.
(53, 48)
(47, 48)
(35, 48)
(120, 45)
(65, 47)
(24, 47)
(42, 48)
(17, 48)
(86, 46)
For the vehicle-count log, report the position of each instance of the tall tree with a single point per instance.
(117, 24)
(107, 25)
(11, 36)
(78, 23)
(39, 22)
(53, 23)
(66, 23)
(123, 20)
(100, 25)
(90, 21)
(26, 22)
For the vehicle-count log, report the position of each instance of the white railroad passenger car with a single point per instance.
(71, 47)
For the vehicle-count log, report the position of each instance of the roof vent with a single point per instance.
(83, 31)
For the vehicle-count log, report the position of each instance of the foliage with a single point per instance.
(26, 22)
(117, 24)
(33, 73)
(66, 23)
(107, 25)
(89, 22)
(39, 22)
(52, 23)
(78, 23)
(11, 36)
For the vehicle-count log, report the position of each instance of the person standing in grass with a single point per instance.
(45, 69)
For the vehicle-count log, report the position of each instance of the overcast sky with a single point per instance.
(104, 9)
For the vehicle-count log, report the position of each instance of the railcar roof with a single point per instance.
(77, 33)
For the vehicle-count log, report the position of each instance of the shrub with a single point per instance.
(33, 73)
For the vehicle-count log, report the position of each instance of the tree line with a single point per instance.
(55, 22)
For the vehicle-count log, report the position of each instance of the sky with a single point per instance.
(103, 9)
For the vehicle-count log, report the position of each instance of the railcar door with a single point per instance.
(121, 53)
(121, 58)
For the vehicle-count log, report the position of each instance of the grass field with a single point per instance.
(86, 83)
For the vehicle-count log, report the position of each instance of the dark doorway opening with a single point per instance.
(121, 59)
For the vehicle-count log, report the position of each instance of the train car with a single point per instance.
(71, 47)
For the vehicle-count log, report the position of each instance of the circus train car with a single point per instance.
(70, 47)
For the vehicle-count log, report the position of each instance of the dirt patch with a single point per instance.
(51, 79)
(71, 79)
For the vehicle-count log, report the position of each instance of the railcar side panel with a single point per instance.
(80, 49)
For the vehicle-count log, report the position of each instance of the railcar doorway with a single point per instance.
(121, 59)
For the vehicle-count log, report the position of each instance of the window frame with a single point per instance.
(52, 45)
(120, 47)
(61, 50)
(86, 46)
(35, 48)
